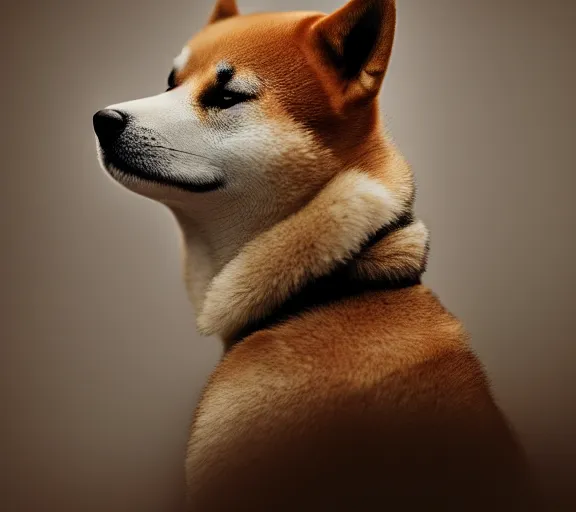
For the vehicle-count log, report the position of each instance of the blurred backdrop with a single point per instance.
(101, 365)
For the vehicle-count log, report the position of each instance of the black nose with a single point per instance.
(109, 124)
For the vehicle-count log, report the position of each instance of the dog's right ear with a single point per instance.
(224, 9)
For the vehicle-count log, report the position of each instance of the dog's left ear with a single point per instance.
(357, 40)
(224, 9)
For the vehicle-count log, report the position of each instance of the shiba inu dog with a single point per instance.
(345, 385)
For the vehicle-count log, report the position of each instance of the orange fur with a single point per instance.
(372, 401)
(375, 401)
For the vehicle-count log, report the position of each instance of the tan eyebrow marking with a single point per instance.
(224, 73)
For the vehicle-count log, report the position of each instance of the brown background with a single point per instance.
(100, 361)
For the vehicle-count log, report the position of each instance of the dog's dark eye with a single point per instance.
(223, 99)
(172, 81)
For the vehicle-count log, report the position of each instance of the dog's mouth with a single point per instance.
(130, 155)
(153, 164)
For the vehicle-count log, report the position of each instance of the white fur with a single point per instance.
(182, 59)
(310, 243)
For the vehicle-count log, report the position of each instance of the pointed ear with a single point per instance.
(224, 9)
(357, 40)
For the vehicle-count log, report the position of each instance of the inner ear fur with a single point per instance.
(357, 41)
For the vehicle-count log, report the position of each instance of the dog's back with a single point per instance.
(371, 403)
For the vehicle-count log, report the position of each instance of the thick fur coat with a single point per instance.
(345, 384)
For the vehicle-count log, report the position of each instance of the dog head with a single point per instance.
(267, 107)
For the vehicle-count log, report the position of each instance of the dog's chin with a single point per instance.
(149, 179)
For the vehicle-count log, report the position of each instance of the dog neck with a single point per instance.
(215, 231)
(239, 269)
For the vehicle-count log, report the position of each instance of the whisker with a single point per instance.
(177, 151)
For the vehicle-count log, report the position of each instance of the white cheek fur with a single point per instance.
(250, 152)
